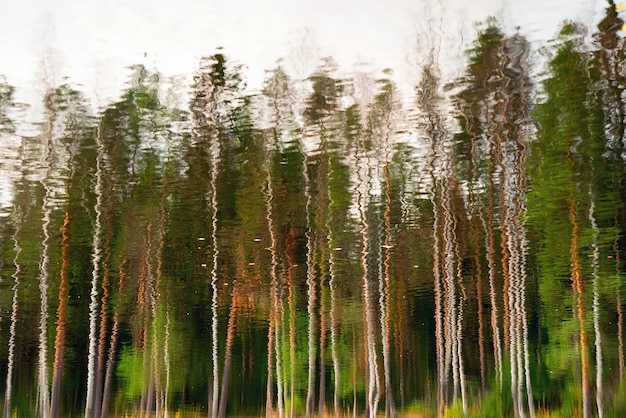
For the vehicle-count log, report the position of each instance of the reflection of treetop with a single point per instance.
(216, 74)
(324, 99)
(218, 85)
(495, 62)
(6, 103)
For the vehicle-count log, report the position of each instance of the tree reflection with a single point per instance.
(323, 247)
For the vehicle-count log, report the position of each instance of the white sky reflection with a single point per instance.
(92, 42)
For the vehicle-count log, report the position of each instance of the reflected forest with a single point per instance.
(328, 246)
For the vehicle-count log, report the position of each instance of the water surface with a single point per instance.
(323, 244)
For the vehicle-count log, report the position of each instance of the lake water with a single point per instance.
(436, 229)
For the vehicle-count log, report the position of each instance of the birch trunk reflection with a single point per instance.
(104, 314)
(275, 287)
(44, 272)
(369, 311)
(17, 249)
(384, 287)
(311, 293)
(214, 161)
(96, 256)
(380, 125)
(596, 305)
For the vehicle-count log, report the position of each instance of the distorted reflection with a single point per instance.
(327, 246)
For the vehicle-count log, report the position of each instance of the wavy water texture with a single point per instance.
(334, 244)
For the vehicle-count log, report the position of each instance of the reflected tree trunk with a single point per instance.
(323, 326)
(369, 311)
(96, 256)
(44, 273)
(104, 316)
(112, 352)
(493, 274)
(577, 287)
(311, 294)
(276, 311)
(214, 158)
(228, 357)
(621, 361)
(334, 323)
(61, 326)
(385, 292)
(8, 394)
(427, 101)
(596, 305)
(290, 249)
(269, 396)
(620, 338)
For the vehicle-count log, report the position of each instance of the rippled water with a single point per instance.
(305, 238)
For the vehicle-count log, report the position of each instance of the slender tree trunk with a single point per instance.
(228, 359)
(384, 288)
(291, 275)
(269, 397)
(322, 334)
(44, 274)
(110, 366)
(8, 394)
(311, 294)
(577, 287)
(620, 313)
(215, 152)
(104, 321)
(596, 304)
(96, 255)
(372, 376)
(61, 331)
(275, 291)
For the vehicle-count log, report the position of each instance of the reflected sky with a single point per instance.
(92, 41)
